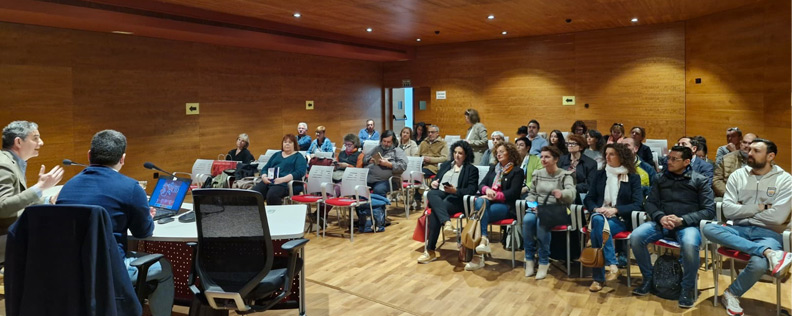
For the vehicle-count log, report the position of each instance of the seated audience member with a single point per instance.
(368, 133)
(407, 144)
(595, 142)
(560, 186)
(241, 153)
(102, 184)
(703, 151)
(529, 164)
(433, 150)
(21, 141)
(303, 139)
(579, 128)
(500, 188)
(321, 143)
(730, 163)
(476, 134)
(420, 133)
(349, 157)
(757, 201)
(698, 165)
(446, 200)
(288, 164)
(393, 162)
(522, 131)
(537, 141)
(644, 152)
(615, 192)
(557, 140)
(488, 159)
(580, 165)
(646, 172)
(616, 133)
(733, 137)
(678, 202)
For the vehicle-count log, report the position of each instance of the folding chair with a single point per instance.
(312, 187)
(353, 186)
(412, 180)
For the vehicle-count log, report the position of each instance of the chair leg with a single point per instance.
(629, 275)
(324, 229)
(733, 269)
(569, 256)
(513, 242)
(351, 227)
(716, 265)
(778, 296)
(706, 257)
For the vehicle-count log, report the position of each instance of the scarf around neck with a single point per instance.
(614, 178)
(500, 171)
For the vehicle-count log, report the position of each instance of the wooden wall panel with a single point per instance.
(743, 59)
(622, 73)
(76, 83)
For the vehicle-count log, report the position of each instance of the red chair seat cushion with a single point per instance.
(661, 243)
(560, 228)
(504, 222)
(457, 215)
(622, 235)
(340, 202)
(731, 253)
(306, 198)
(405, 184)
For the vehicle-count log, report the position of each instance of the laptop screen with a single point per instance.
(169, 193)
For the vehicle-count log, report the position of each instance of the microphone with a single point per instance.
(68, 162)
(149, 165)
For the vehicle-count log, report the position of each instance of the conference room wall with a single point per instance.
(75, 83)
(641, 75)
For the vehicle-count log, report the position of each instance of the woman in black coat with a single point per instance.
(445, 200)
(614, 193)
(582, 165)
(241, 153)
(500, 188)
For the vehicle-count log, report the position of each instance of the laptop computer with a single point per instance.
(168, 197)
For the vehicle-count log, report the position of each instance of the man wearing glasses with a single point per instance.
(433, 150)
(733, 137)
(699, 166)
(730, 163)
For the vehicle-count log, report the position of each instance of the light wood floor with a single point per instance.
(377, 274)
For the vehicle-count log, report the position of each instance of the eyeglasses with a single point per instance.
(673, 159)
(572, 144)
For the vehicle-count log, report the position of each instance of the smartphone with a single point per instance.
(446, 184)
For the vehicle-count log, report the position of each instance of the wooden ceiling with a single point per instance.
(338, 27)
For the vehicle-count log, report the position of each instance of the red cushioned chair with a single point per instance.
(312, 188)
(731, 254)
(576, 224)
(458, 216)
(353, 187)
(638, 218)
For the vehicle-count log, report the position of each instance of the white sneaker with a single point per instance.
(529, 268)
(542, 272)
(449, 229)
(779, 262)
(475, 264)
(731, 303)
(484, 246)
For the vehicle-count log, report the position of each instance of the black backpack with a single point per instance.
(667, 277)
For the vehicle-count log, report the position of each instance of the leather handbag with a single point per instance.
(552, 215)
(593, 257)
(471, 234)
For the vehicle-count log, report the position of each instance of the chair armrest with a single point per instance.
(368, 193)
(469, 204)
(325, 186)
(519, 208)
(638, 218)
(291, 186)
(425, 199)
(146, 261)
(787, 239)
(294, 245)
(191, 276)
(416, 176)
(703, 223)
(577, 216)
(142, 264)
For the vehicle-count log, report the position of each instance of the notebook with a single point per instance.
(168, 196)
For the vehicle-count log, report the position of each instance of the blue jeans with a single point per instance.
(381, 187)
(533, 232)
(161, 300)
(494, 212)
(753, 240)
(608, 250)
(688, 237)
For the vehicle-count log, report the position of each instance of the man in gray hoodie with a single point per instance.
(385, 161)
(757, 203)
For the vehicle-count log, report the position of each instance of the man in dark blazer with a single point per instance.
(101, 184)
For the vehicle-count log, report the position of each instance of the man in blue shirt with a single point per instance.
(321, 143)
(125, 201)
(368, 133)
(537, 142)
(303, 139)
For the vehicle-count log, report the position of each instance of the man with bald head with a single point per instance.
(731, 162)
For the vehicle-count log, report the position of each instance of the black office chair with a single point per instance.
(64, 260)
(234, 258)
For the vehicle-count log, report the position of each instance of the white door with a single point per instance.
(402, 105)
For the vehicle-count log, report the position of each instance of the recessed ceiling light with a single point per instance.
(634, 20)
(297, 14)
(504, 33)
(491, 17)
(417, 39)
(369, 29)
(122, 32)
